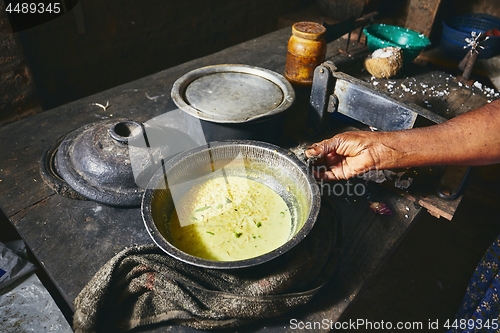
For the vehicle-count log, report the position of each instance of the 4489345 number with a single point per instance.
(33, 7)
(472, 324)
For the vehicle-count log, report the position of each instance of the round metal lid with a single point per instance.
(232, 93)
(94, 160)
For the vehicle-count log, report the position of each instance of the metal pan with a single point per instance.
(233, 102)
(271, 165)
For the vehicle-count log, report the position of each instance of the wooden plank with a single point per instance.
(438, 207)
(364, 234)
(140, 100)
(74, 243)
(438, 92)
(422, 191)
(421, 15)
(72, 239)
(434, 90)
(437, 56)
(360, 236)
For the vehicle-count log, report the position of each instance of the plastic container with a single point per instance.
(411, 42)
(458, 28)
(306, 50)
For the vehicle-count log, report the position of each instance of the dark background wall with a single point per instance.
(103, 43)
(17, 89)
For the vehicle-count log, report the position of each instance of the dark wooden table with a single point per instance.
(72, 239)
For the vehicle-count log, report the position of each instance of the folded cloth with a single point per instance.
(142, 285)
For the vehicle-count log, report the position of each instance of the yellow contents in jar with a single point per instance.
(230, 218)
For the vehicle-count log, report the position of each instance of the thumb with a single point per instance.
(320, 149)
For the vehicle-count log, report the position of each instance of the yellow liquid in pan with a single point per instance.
(230, 218)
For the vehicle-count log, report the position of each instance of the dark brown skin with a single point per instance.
(470, 139)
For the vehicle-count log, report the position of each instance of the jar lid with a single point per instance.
(308, 30)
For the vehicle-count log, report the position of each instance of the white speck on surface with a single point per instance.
(153, 98)
(104, 107)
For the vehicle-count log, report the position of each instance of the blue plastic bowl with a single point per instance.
(457, 28)
(379, 36)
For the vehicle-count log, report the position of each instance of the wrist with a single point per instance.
(393, 151)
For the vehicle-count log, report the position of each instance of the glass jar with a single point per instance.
(306, 50)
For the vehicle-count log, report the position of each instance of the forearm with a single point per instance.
(472, 138)
(469, 139)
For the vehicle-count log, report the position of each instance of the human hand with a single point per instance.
(348, 154)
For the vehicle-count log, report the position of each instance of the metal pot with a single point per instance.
(94, 160)
(269, 164)
(223, 102)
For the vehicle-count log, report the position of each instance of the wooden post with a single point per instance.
(421, 15)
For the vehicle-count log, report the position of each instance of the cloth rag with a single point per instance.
(142, 285)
